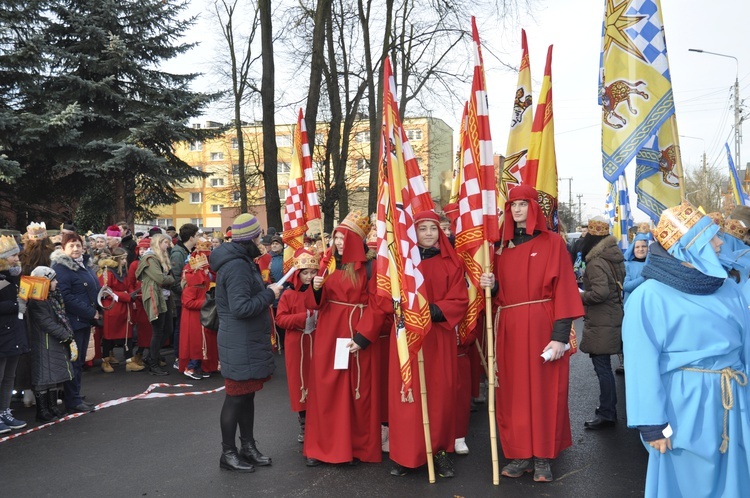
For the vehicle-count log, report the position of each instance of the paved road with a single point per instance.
(171, 446)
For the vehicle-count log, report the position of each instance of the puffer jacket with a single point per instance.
(12, 330)
(242, 302)
(49, 345)
(79, 288)
(602, 298)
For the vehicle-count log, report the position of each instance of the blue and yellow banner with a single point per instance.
(657, 173)
(739, 195)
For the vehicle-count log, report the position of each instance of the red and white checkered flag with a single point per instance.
(302, 200)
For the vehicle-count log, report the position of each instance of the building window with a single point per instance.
(414, 135)
(217, 156)
(196, 197)
(283, 193)
(196, 146)
(283, 140)
(161, 222)
(217, 182)
(362, 137)
(216, 208)
(282, 167)
(362, 164)
(318, 166)
(236, 196)
(235, 169)
(320, 139)
(235, 144)
(197, 221)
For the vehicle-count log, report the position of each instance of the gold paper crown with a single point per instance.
(735, 228)
(37, 231)
(8, 246)
(675, 222)
(198, 261)
(644, 227)
(304, 259)
(357, 223)
(203, 245)
(598, 227)
(717, 217)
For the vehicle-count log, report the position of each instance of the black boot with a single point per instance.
(230, 460)
(301, 419)
(154, 368)
(250, 453)
(43, 414)
(52, 401)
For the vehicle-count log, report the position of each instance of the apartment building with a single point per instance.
(203, 200)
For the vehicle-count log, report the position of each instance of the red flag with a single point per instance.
(302, 200)
(401, 194)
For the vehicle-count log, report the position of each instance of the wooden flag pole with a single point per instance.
(491, 368)
(481, 357)
(426, 419)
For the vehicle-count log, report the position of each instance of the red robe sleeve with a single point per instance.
(286, 317)
(567, 299)
(452, 299)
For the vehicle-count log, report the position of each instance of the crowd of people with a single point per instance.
(673, 306)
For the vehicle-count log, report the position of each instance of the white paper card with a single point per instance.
(341, 359)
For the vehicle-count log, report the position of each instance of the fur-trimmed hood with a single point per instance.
(608, 249)
(59, 257)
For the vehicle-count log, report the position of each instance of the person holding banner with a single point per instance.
(537, 299)
(343, 409)
(686, 363)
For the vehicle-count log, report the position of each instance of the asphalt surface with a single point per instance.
(170, 446)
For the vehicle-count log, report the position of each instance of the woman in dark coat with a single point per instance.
(243, 304)
(13, 341)
(51, 336)
(79, 287)
(602, 299)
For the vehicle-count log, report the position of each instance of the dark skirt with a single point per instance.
(243, 387)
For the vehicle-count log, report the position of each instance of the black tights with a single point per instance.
(237, 410)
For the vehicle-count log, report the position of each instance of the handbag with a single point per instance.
(209, 314)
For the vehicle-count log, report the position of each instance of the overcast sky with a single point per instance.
(702, 83)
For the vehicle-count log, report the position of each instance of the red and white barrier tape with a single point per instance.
(147, 394)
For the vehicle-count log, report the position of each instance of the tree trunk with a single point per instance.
(273, 205)
(317, 63)
(120, 211)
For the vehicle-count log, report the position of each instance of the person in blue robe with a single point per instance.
(686, 351)
(635, 259)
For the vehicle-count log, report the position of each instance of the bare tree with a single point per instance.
(240, 64)
(703, 187)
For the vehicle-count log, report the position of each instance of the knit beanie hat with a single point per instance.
(44, 271)
(113, 231)
(245, 227)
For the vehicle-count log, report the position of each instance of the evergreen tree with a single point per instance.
(102, 64)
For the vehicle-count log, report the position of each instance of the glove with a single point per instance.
(311, 321)
(134, 295)
(21, 306)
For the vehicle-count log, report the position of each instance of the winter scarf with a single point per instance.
(671, 271)
(56, 299)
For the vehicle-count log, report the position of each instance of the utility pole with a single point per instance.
(580, 212)
(570, 192)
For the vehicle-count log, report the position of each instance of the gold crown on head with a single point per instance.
(358, 223)
(8, 246)
(735, 228)
(37, 231)
(717, 217)
(676, 222)
(598, 226)
(203, 245)
(305, 259)
(644, 228)
(198, 261)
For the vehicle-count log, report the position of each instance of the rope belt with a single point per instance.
(302, 388)
(354, 308)
(523, 304)
(727, 397)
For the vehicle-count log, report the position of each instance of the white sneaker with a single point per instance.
(460, 446)
(385, 442)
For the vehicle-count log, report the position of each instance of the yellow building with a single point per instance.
(203, 200)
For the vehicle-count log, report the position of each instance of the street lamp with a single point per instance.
(737, 119)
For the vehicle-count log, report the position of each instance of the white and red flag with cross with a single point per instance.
(302, 200)
(401, 194)
(475, 208)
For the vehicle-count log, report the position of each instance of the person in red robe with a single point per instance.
(464, 377)
(199, 352)
(118, 326)
(343, 408)
(448, 298)
(299, 323)
(137, 312)
(537, 299)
